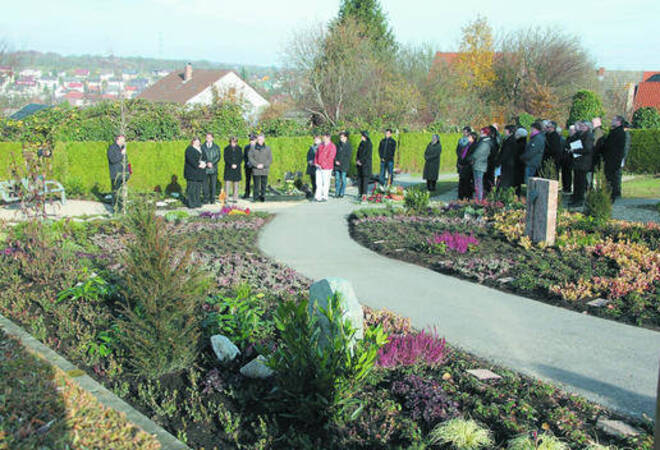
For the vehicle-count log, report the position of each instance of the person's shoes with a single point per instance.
(245, 196)
(262, 199)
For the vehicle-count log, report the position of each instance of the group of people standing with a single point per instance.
(488, 160)
(324, 158)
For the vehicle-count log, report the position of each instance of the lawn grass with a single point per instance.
(42, 407)
(642, 186)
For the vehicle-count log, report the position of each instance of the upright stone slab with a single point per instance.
(542, 197)
(323, 290)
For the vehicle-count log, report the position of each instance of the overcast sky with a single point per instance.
(618, 34)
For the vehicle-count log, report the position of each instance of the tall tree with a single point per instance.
(477, 52)
(370, 14)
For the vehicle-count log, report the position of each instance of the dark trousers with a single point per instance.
(194, 193)
(260, 183)
(248, 179)
(363, 185)
(430, 184)
(465, 183)
(566, 177)
(579, 185)
(209, 188)
(117, 199)
(312, 177)
(614, 181)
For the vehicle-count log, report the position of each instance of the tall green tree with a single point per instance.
(585, 106)
(369, 13)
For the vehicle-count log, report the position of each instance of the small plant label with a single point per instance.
(484, 374)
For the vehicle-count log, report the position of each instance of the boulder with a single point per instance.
(257, 368)
(224, 349)
(325, 289)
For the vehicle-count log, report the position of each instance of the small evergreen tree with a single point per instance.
(370, 14)
(599, 201)
(646, 117)
(586, 105)
(162, 287)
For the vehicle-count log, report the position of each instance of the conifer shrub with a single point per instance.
(598, 203)
(162, 288)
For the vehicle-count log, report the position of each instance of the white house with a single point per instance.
(196, 88)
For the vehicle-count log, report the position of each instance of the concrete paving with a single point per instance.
(611, 363)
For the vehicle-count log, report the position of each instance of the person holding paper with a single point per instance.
(582, 151)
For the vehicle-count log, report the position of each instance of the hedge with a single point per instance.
(85, 164)
(644, 156)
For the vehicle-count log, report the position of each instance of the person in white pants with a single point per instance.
(324, 160)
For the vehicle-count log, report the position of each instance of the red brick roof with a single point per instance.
(172, 88)
(445, 57)
(648, 75)
(647, 94)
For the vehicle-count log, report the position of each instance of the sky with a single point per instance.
(619, 35)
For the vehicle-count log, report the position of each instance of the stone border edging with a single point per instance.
(87, 383)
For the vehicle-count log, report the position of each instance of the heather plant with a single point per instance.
(391, 322)
(424, 399)
(163, 287)
(458, 242)
(413, 348)
(317, 375)
(461, 434)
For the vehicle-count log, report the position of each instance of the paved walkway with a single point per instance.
(613, 364)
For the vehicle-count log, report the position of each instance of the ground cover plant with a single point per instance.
(76, 287)
(593, 258)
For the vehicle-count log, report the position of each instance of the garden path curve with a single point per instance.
(608, 362)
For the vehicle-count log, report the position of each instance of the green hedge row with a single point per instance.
(644, 156)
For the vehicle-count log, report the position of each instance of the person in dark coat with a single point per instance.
(386, 150)
(247, 166)
(533, 154)
(363, 162)
(613, 151)
(493, 157)
(463, 165)
(342, 164)
(194, 172)
(117, 161)
(553, 147)
(311, 168)
(260, 158)
(233, 158)
(212, 153)
(582, 162)
(479, 160)
(508, 160)
(567, 160)
(432, 162)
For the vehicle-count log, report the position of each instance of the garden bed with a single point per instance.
(611, 270)
(66, 282)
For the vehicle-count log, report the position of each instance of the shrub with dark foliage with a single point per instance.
(424, 399)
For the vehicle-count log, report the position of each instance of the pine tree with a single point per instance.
(370, 14)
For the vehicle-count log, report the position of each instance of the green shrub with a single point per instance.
(526, 120)
(417, 199)
(644, 156)
(75, 188)
(586, 105)
(163, 287)
(598, 203)
(646, 117)
(176, 216)
(541, 441)
(317, 378)
(461, 434)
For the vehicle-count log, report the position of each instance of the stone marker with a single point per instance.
(322, 290)
(484, 374)
(257, 368)
(542, 198)
(616, 428)
(598, 302)
(224, 349)
(505, 280)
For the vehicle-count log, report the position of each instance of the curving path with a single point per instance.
(610, 363)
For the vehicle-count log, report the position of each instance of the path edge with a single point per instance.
(88, 384)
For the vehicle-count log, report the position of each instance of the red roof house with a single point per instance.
(648, 91)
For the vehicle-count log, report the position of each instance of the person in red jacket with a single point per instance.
(324, 160)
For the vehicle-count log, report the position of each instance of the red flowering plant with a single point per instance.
(412, 348)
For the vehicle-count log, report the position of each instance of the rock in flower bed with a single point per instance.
(485, 242)
(74, 303)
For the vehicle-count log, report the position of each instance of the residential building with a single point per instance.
(648, 91)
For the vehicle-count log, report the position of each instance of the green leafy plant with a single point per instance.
(93, 289)
(317, 374)
(417, 199)
(176, 216)
(461, 434)
(646, 117)
(535, 441)
(104, 343)
(598, 203)
(162, 287)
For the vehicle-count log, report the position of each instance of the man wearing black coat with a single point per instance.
(247, 166)
(342, 164)
(582, 162)
(363, 163)
(553, 148)
(386, 150)
(509, 159)
(612, 151)
(493, 157)
(116, 162)
(194, 171)
(209, 187)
